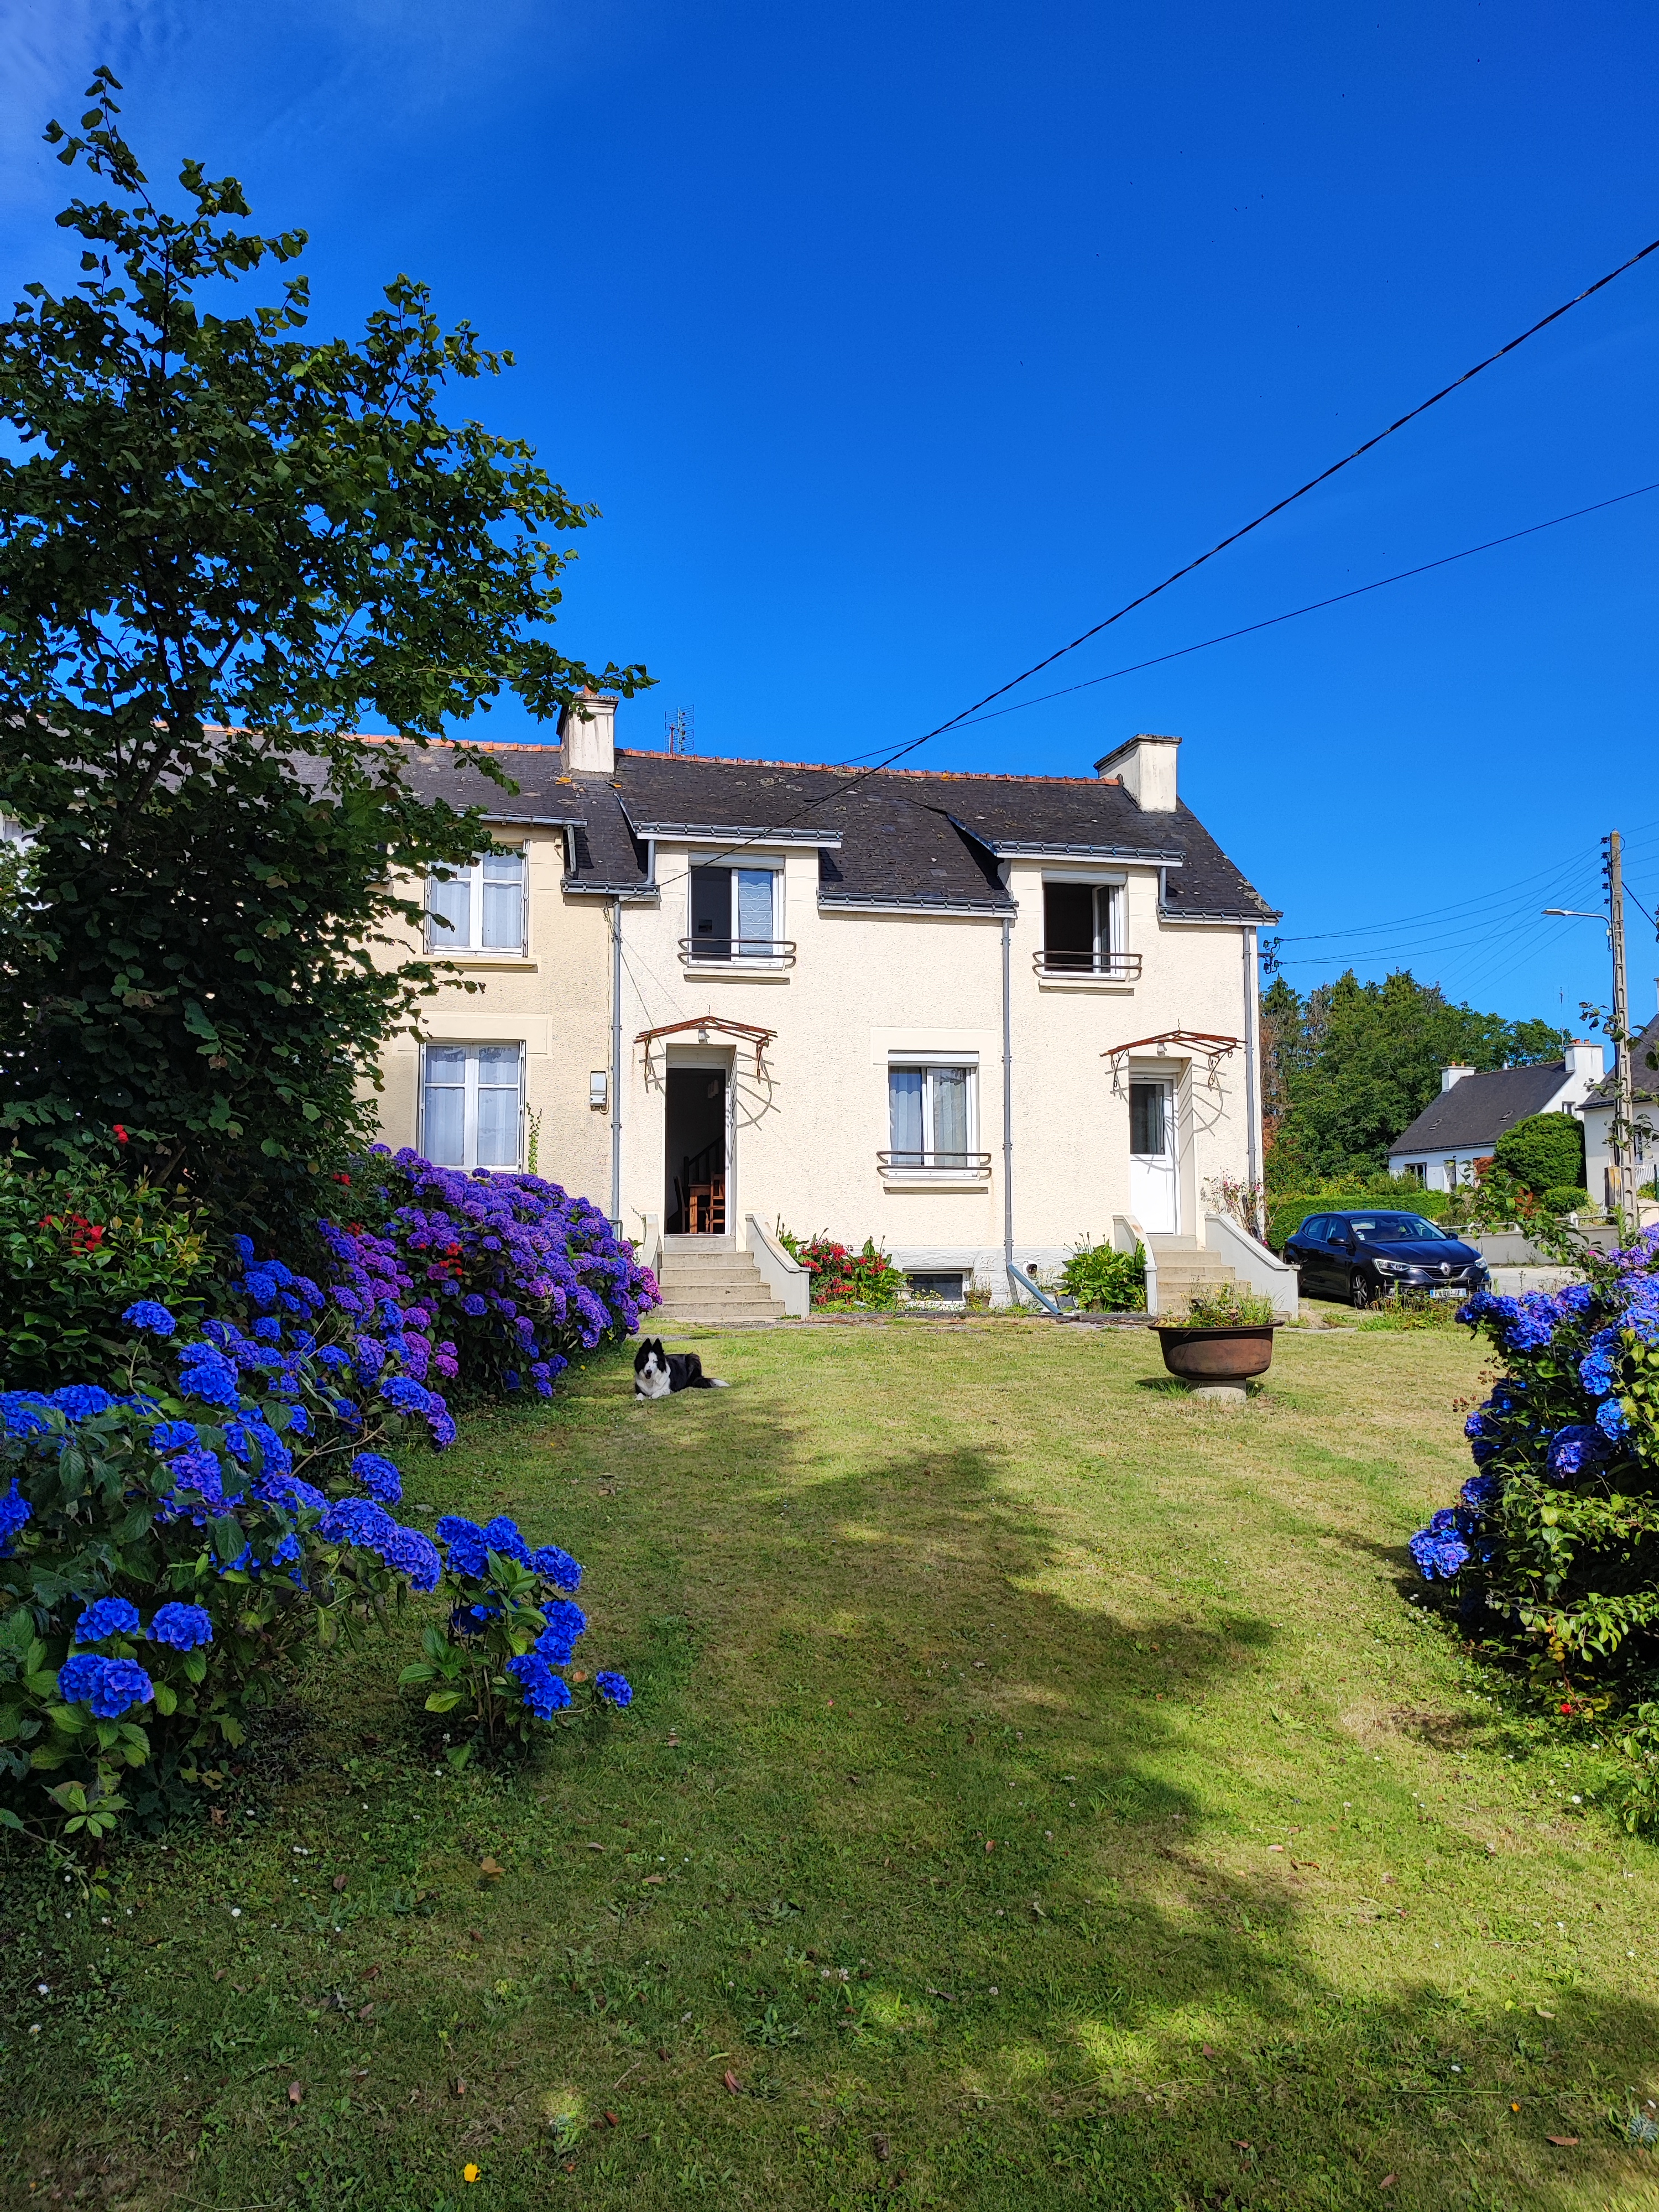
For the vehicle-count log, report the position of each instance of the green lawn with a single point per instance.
(1039, 1792)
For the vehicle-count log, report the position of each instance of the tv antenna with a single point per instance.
(681, 730)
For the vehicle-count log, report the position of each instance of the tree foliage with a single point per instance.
(1543, 1152)
(1350, 1065)
(224, 545)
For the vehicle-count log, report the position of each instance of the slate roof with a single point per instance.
(1475, 1112)
(895, 837)
(1643, 1073)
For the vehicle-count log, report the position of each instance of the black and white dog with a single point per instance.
(659, 1373)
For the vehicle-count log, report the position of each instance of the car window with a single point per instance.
(1312, 1228)
(1396, 1229)
(1336, 1231)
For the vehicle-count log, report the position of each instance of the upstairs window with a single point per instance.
(1083, 931)
(471, 1104)
(478, 909)
(932, 1117)
(736, 915)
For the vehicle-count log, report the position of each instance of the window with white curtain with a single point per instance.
(478, 909)
(932, 1116)
(471, 1104)
(735, 914)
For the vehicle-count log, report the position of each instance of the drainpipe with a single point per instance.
(1008, 1112)
(1252, 1058)
(616, 1063)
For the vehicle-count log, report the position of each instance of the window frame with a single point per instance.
(444, 940)
(1110, 958)
(470, 1087)
(781, 953)
(928, 1065)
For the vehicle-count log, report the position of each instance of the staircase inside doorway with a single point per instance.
(705, 1279)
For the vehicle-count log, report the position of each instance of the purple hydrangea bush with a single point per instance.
(1553, 1548)
(165, 1545)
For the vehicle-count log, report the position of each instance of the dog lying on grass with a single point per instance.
(659, 1374)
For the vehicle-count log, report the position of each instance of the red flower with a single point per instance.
(121, 1137)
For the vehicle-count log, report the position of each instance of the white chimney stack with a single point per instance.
(1585, 1059)
(1145, 766)
(1451, 1075)
(587, 734)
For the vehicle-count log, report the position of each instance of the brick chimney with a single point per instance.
(1145, 766)
(588, 736)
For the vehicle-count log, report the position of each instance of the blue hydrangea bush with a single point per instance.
(1553, 1548)
(165, 1544)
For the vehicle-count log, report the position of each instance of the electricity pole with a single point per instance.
(1624, 1121)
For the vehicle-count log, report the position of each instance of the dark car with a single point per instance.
(1362, 1256)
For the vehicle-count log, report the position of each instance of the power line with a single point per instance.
(1279, 505)
(1221, 545)
(1359, 592)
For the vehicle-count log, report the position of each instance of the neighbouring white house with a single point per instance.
(1601, 1166)
(975, 1017)
(1456, 1131)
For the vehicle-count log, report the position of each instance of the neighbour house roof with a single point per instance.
(1644, 1073)
(1475, 1112)
(890, 838)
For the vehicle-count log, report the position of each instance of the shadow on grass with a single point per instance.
(867, 1742)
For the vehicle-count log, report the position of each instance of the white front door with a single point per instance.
(1154, 1197)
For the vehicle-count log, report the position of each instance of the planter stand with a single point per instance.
(1221, 1395)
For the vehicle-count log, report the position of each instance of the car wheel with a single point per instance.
(1359, 1293)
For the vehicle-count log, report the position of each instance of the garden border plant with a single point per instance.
(165, 1545)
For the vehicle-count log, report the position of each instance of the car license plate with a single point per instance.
(1449, 1291)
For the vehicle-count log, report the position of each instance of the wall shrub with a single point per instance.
(1105, 1280)
(843, 1278)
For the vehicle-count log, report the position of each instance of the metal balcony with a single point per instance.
(1105, 967)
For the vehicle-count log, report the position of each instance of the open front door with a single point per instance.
(693, 1198)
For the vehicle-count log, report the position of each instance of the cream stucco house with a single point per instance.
(973, 1017)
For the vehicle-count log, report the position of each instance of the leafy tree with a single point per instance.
(1354, 1063)
(224, 544)
(1544, 1153)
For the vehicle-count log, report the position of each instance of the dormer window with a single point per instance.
(478, 909)
(1083, 931)
(736, 914)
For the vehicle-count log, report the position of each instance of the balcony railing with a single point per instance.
(1112, 967)
(772, 951)
(923, 1163)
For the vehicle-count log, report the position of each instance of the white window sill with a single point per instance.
(487, 960)
(1112, 986)
(750, 972)
(936, 1179)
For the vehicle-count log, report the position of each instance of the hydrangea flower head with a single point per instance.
(81, 1401)
(145, 1314)
(184, 1627)
(544, 1692)
(565, 1623)
(107, 1616)
(378, 1476)
(613, 1688)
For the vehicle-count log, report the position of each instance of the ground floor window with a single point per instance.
(472, 1104)
(1416, 1171)
(931, 1114)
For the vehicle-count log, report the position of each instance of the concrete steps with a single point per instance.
(704, 1280)
(1184, 1266)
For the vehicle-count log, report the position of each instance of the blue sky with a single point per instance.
(900, 343)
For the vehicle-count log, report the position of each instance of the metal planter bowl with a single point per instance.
(1218, 1355)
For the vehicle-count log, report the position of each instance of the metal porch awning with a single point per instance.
(1195, 1043)
(745, 1032)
